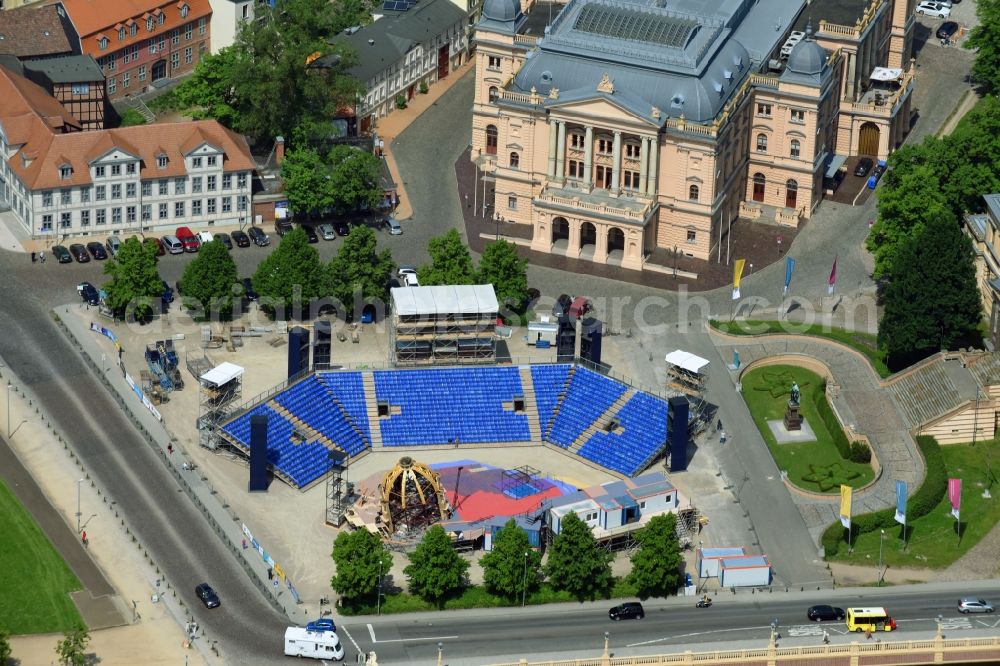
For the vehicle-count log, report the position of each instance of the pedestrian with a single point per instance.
(718, 425)
(722, 437)
(826, 637)
(41, 256)
(270, 573)
(170, 448)
(244, 544)
(868, 633)
(34, 257)
(83, 537)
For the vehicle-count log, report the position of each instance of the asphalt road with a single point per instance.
(577, 631)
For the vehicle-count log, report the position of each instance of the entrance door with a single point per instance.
(791, 193)
(411, 91)
(443, 60)
(602, 177)
(868, 139)
(159, 70)
(758, 186)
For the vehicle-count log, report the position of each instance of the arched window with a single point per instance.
(795, 148)
(693, 193)
(515, 160)
(761, 143)
(791, 193)
(758, 186)
(494, 93)
(491, 139)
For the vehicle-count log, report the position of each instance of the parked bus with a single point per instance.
(869, 619)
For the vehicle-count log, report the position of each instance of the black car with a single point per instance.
(248, 291)
(97, 250)
(822, 613)
(61, 254)
(241, 239)
(311, 233)
(631, 610)
(225, 240)
(342, 228)
(207, 595)
(282, 227)
(947, 29)
(88, 293)
(258, 236)
(562, 304)
(79, 253)
(864, 166)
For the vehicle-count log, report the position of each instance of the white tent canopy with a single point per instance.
(886, 74)
(445, 300)
(222, 374)
(686, 361)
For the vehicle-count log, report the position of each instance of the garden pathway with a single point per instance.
(862, 405)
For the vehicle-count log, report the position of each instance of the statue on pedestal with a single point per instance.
(793, 420)
(795, 395)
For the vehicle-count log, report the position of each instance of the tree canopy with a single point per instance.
(511, 568)
(984, 38)
(656, 565)
(451, 262)
(72, 649)
(304, 175)
(209, 280)
(576, 563)
(435, 569)
(4, 646)
(290, 278)
(932, 302)
(361, 559)
(135, 281)
(507, 272)
(354, 179)
(359, 274)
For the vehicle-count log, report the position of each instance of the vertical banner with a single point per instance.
(846, 497)
(901, 502)
(955, 495)
(832, 282)
(737, 276)
(789, 268)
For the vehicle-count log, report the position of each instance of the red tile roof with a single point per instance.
(93, 16)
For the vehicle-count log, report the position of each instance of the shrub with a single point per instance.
(423, 88)
(829, 419)
(400, 102)
(860, 452)
(132, 117)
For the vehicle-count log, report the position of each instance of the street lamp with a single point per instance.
(675, 261)
(498, 219)
(524, 579)
(881, 539)
(378, 601)
(78, 512)
(607, 637)
(8, 411)
(440, 652)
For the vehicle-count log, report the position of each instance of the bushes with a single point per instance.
(919, 504)
(400, 102)
(860, 453)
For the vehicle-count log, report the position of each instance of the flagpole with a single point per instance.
(729, 237)
(719, 259)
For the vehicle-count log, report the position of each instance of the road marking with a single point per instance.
(987, 624)
(697, 633)
(805, 630)
(371, 632)
(952, 623)
(356, 646)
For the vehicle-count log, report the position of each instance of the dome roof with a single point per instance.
(502, 10)
(807, 57)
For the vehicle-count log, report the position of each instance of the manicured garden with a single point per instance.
(34, 579)
(819, 466)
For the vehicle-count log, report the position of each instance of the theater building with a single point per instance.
(636, 127)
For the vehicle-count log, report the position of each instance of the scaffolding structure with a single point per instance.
(512, 479)
(685, 373)
(221, 390)
(443, 325)
(339, 491)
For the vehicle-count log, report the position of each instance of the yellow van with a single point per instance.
(869, 619)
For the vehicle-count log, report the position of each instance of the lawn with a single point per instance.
(815, 466)
(865, 343)
(932, 541)
(34, 579)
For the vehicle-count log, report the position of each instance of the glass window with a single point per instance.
(101, 192)
(493, 62)
(149, 23)
(162, 187)
(130, 190)
(147, 212)
(84, 218)
(761, 143)
(795, 148)
(180, 185)
(196, 207)
(65, 172)
(515, 160)
(130, 212)
(116, 169)
(178, 209)
(764, 110)
(212, 160)
(188, 55)
(512, 203)
(210, 183)
(147, 188)
(130, 168)
(65, 220)
(116, 215)
(162, 214)
(196, 184)
(102, 216)
(46, 199)
(227, 204)
(142, 72)
(242, 202)
(210, 206)
(693, 193)
(116, 191)
(241, 180)
(99, 172)
(798, 116)
(691, 236)
(195, 162)
(125, 80)
(121, 34)
(161, 162)
(66, 197)
(85, 194)
(227, 181)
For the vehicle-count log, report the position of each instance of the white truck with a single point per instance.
(301, 642)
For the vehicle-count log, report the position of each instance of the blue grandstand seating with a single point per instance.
(441, 405)
(644, 434)
(588, 395)
(349, 389)
(549, 382)
(310, 401)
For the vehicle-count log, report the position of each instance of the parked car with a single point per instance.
(248, 290)
(258, 236)
(323, 624)
(173, 244)
(114, 244)
(61, 254)
(241, 239)
(823, 613)
(392, 224)
(188, 239)
(207, 595)
(342, 228)
(408, 276)
(205, 237)
(631, 610)
(864, 166)
(157, 243)
(310, 233)
(168, 293)
(933, 9)
(974, 605)
(282, 227)
(326, 231)
(562, 304)
(946, 30)
(225, 240)
(79, 253)
(89, 293)
(97, 250)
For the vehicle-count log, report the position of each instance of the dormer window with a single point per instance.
(133, 29)
(160, 18)
(184, 11)
(65, 172)
(161, 161)
(103, 43)
(121, 34)
(149, 23)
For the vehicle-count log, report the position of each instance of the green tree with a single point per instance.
(435, 569)
(511, 569)
(656, 565)
(932, 302)
(361, 559)
(354, 178)
(5, 650)
(72, 648)
(576, 563)
(305, 177)
(359, 273)
(507, 272)
(208, 92)
(135, 280)
(131, 117)
(450, 261)
(209, 280)
(984, 38)
(290, 278)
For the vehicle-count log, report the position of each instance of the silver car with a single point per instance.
(326, 231)
(974, 605)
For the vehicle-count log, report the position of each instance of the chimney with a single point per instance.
(279, 149)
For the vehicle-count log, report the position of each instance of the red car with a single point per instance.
(188, 239)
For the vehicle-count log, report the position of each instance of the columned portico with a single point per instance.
(601, 246)
(654, 150)
(561, 153)
(588, 157)
(616, 162)
(644, 165)
(553, 132)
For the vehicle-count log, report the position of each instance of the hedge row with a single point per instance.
(854, 451)
(919, 504)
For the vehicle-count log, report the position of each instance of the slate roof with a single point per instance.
(67, 69)
(32, 32)
(387, 40)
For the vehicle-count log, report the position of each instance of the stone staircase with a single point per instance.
(371, 404)
(530, 407)
(141, 108)
(602, 421)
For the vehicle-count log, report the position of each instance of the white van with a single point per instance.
(301, 642)
(173, 244)
(205, 237)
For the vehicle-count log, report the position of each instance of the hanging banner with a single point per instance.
(737, 276)
(901, 502)
(789, 268)
(846, 497)
(832, 282)
(955, 496)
